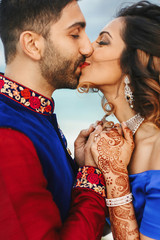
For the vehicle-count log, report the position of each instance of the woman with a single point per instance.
(125, 67)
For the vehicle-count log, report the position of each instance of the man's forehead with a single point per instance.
(72, 17)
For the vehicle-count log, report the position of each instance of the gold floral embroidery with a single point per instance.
(92, 178)
(26, 96)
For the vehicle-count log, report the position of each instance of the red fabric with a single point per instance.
(27, 210)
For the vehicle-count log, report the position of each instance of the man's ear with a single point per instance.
(32, 44)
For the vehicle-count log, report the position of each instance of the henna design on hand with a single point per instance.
(109, 153)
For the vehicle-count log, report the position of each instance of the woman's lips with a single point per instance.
(83, 65)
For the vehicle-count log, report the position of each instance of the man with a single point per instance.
(45, 44)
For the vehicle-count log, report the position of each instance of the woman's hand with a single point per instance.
(111, 151)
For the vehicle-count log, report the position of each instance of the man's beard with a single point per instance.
(57, 70)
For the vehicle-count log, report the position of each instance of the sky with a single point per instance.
(77, 111)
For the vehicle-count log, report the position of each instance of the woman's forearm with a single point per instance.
(123, 221)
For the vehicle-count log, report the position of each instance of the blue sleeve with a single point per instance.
(150, 224)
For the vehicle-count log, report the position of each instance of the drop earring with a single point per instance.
(128, 93)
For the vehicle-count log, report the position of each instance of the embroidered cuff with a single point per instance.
(91, 178)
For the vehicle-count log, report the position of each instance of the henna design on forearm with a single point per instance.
(121, 226)
(124, 212)
(123, 221)
(122, 185)
(109, 181)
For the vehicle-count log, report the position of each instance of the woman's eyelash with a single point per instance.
(103, 43)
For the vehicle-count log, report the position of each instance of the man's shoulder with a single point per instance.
(13, 114)
(8, 113)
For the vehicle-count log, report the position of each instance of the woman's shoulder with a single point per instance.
(147, 151)
(154, 158)
(157, 141)
(155, 155)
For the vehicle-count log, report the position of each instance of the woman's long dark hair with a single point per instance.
(140, 59)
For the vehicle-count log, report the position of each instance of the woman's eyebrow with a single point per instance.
(105, 32)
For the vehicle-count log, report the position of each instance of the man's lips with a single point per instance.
(84, 64)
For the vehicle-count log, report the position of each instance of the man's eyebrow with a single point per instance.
(78, 24)
(105, 32)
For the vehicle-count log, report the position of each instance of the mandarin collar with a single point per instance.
(25, 96)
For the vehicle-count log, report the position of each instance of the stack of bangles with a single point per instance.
(114, 202)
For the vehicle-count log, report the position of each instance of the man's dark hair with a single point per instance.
(17, 16)
(141, 34)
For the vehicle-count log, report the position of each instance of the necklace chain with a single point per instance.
(134, 123)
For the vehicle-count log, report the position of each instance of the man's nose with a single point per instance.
(86, 49)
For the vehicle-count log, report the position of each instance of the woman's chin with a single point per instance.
(86, 78)
(83, 80)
